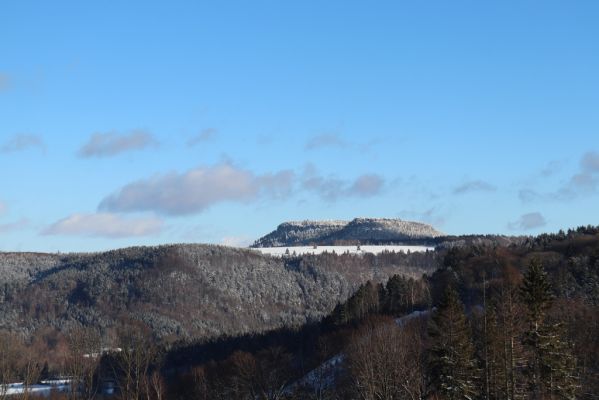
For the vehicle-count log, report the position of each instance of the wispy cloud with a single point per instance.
(3, 208)
(552, 168)
(335, 141)
(197, 189)
(528, 221)
(325, 140)
(277, 185)
(586, 180)
(105, 225)
(331, 188)
(590, 162)
(474, 186)
(432, 215)
(582, 183)
(529, 195)
(366, 185)
(328, 188)
(204, 136)
(22, 142)
(111, 143)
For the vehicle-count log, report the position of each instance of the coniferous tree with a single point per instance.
(506, 331)
(453, 367)
(340, 315)
(395, 294)
(501, 356)
(550, 369)
(493, 357)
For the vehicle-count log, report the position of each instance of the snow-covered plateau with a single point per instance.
(358, 230)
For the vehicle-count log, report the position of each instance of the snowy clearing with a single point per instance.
(44, 388)
(373, 249)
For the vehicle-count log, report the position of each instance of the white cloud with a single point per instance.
(366, 185)
(104, 225)
(584, 182)
(331, 188)
(197, 189)
(111, 143)
(528, 221)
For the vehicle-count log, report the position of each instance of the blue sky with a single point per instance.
(126, 123)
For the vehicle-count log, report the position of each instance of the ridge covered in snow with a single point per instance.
(358, 230)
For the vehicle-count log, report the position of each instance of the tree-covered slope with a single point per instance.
(184, 290)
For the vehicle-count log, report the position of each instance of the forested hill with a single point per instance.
(182, 291)
(494, 322)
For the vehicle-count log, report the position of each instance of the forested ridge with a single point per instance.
(356, 231)
(491, 322)
(183, 291)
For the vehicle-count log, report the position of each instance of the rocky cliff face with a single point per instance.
(361, 230)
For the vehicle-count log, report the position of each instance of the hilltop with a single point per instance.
(356, 231)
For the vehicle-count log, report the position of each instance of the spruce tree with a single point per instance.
(395, 292)
(453, 366)
(340, 314)
(551, 366)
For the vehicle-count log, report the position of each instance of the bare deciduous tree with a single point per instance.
(9, 358)
(385, 361)
(29, 368)
(132, 364)
(264, 376)
(85, 345)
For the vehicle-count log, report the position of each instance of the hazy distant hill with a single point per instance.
(184, 290)
(359, 230)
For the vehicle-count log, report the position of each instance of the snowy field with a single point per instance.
(300, 250)
(44, 388)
